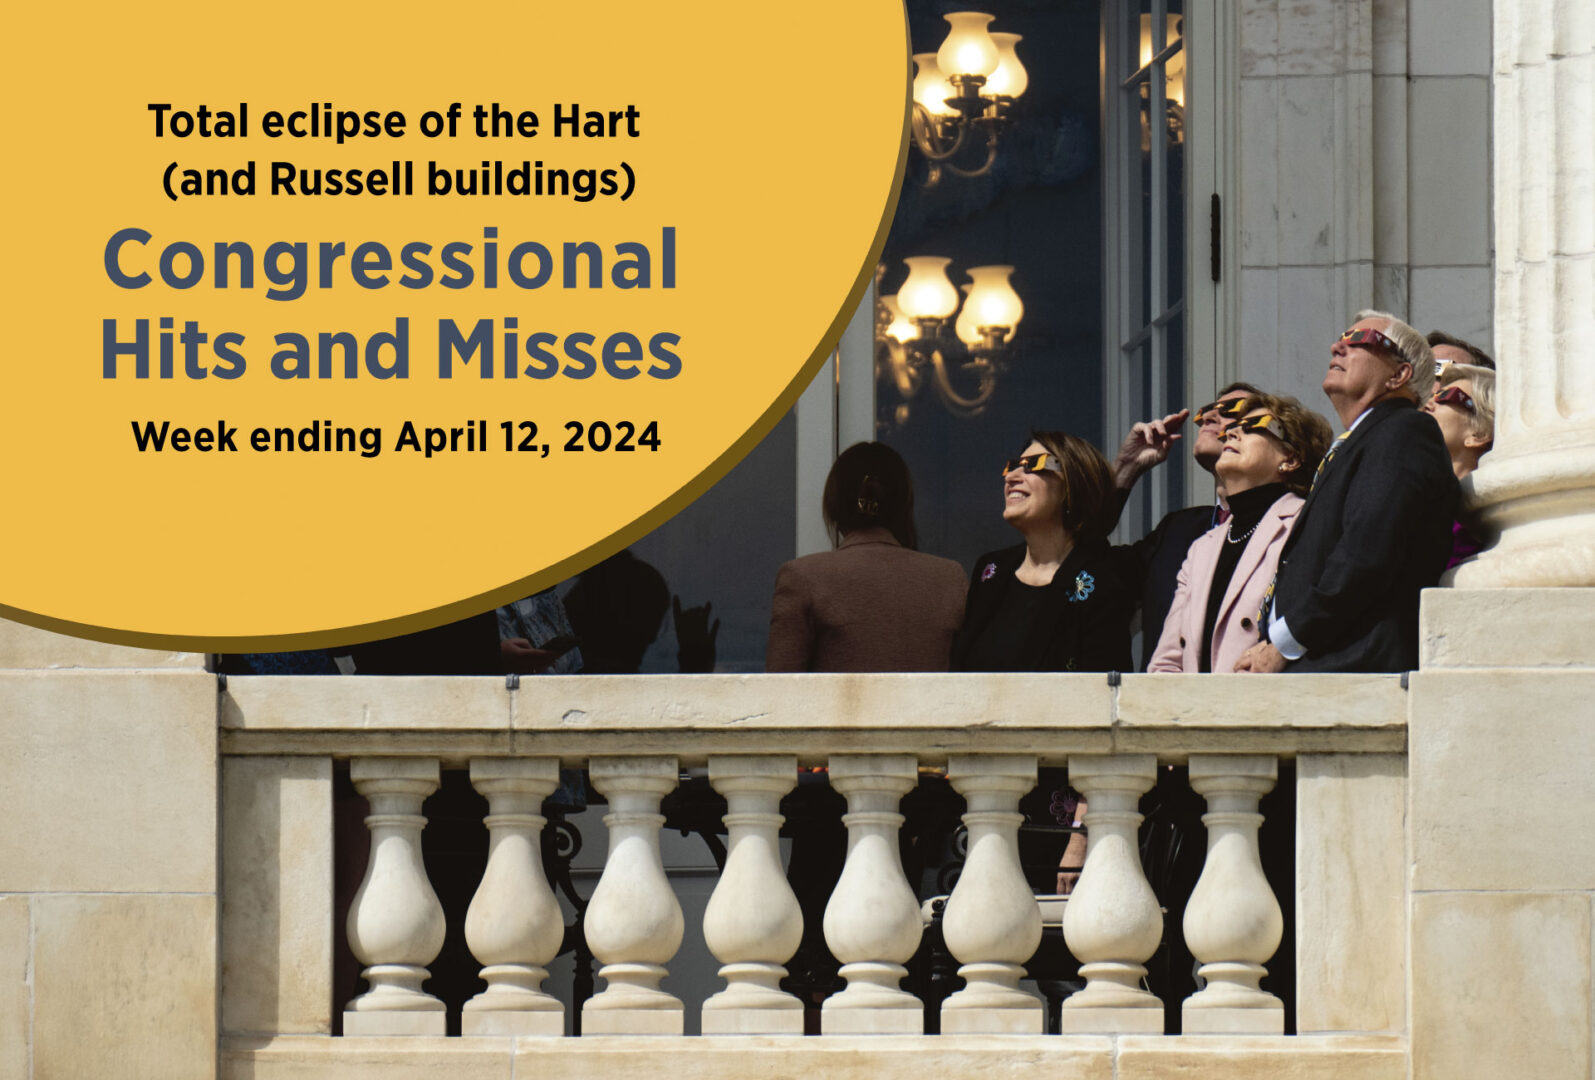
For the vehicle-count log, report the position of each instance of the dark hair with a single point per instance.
(1306, 433)
(1480, 357)
(1089, 509)
(616, 608)
(1242, 386)
(869, 487)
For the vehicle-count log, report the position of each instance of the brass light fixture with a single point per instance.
(962, 93)
(912, 336)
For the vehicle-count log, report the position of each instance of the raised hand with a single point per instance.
(695, 636)
(1147, 445)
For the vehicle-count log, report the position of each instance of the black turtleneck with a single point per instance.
(1246, 510)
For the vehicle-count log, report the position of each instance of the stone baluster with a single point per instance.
(395, 923)
(872, 923)
(1112, 923)
(992, 923)
(514, 925)
(1233, 921)
(1536, 486)
(634, 923)
(753, 923)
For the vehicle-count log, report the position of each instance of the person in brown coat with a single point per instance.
(875, 603)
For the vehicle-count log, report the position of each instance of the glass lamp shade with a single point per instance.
(931, 88)
(968, 49)
(991, 302)
(900, 329)
(927, 294)
(1174, 73)
(1171, 34)
(1010, 78)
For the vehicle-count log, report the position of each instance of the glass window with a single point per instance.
(1144, 141)
(1037, 209)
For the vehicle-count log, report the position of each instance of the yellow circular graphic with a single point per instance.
(329, 321)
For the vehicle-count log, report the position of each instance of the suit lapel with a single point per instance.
(1341, 447)
(989, 593)
(1269, 529)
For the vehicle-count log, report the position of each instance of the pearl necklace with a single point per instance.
(1229, 534)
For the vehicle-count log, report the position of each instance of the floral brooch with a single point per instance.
(1084, 586)
(988, 572)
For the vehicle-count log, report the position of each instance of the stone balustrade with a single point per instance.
(874, 735)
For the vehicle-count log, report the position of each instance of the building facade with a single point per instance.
(167, 878)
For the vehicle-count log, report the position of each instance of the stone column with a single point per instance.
(634, 923)
(514, 925)
(395, 924)
(753, 923)
(1233, 921)
(872, 923)
(992, 923)
(1536, 487)
(1112, 923)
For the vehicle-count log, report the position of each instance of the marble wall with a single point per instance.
(108, 907)
(1364, 175)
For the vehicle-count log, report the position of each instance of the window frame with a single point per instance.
(1209, 307)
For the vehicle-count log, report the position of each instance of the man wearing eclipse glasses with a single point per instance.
(1376, 527)
(1150, 567)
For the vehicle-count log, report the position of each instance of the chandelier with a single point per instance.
(962, 93)
(913, 343)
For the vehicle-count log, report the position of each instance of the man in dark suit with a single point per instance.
(1150, 567)
(1376, 528)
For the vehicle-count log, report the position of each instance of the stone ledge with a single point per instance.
(27, 647)
(1262, 1057)
(1176, 715)
(883, 1057)
(931, 716)
(1506, 628)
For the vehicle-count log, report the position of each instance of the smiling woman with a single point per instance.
(1051, 603)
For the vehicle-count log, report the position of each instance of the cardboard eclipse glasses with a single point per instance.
(1266, 422)
(1033, 463)
(1229, 410)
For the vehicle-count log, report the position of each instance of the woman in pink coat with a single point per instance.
(1265, 471)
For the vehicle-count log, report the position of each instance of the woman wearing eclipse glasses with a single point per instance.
(1266, 467)
(1051, 603)
(1464, 407)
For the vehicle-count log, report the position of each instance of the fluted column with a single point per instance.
(872, 923)
(634, 922)
(395, 923)
(1233, 921)
(1537, 485)
(992, 923)
(514, 925)
(1112, 923)
(753, 923)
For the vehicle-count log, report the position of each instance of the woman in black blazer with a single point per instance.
(1053, 602)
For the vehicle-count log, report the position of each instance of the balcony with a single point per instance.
(284, 742)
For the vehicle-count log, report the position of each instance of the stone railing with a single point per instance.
(1346, 737)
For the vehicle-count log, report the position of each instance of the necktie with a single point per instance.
(1344, 435)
